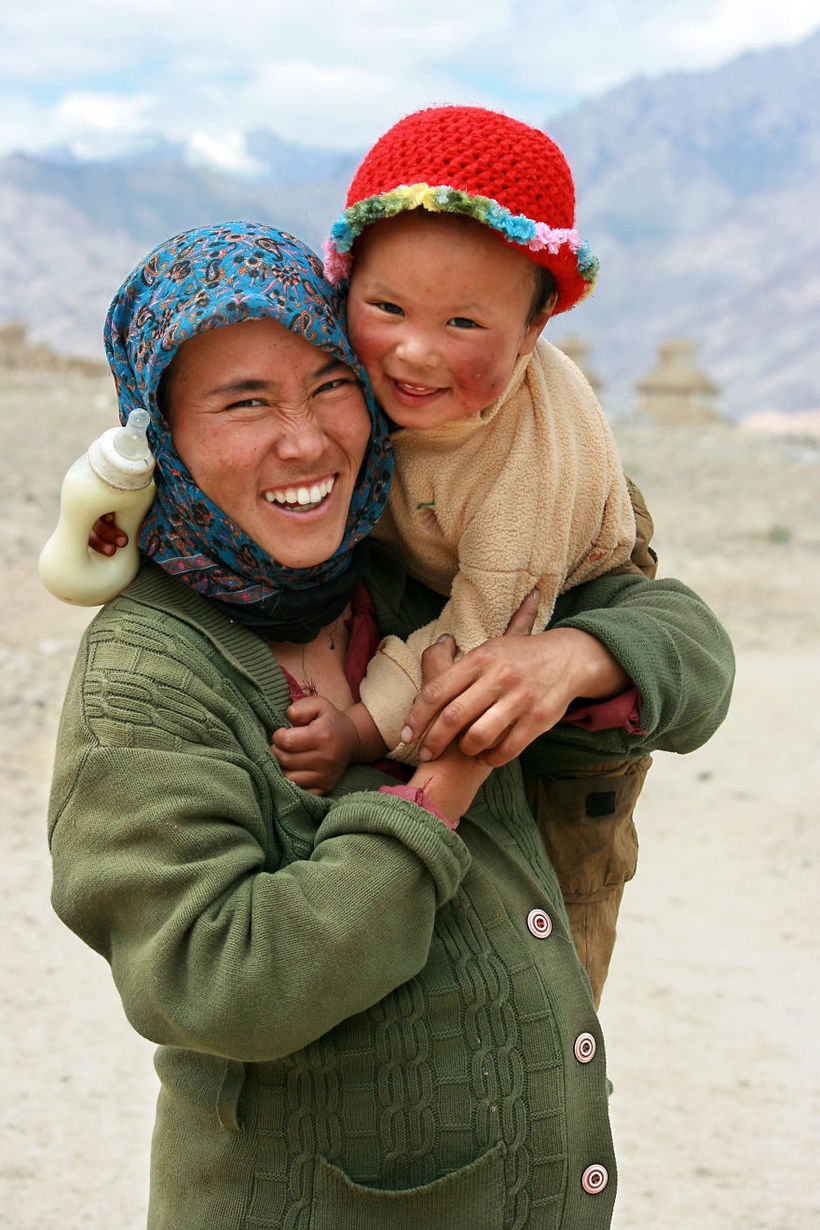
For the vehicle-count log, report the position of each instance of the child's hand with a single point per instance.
(106, 536)
(316, 751)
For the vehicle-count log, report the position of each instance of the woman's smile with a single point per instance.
(301, 497)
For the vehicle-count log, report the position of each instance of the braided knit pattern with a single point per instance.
(385, 1095)
(482, 164)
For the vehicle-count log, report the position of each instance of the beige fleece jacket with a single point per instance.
(529, 492)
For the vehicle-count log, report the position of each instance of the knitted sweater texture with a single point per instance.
(357, 1026)
(527, 493)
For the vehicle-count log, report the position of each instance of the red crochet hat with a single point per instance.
(466, 160)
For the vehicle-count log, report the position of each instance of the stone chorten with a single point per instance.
(676, 391)
(575, 348)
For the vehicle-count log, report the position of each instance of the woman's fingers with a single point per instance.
(436, 692)
(448, 688)
(482, 689)
(523, 620)
(499, 735)
(457, 716)
(484, 719)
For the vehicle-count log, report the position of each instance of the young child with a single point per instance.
(458, 244)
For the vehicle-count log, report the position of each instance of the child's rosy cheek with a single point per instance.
(486, 378)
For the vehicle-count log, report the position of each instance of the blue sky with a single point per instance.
(100, 74)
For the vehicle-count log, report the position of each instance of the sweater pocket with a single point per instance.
(463, 1200)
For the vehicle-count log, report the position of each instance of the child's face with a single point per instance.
(439, 311)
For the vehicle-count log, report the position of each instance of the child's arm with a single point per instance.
(323, 740)
(506, 548)
(450, 782)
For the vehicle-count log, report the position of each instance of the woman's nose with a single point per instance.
(301, 439)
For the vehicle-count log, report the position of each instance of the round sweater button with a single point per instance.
(594, 1179)
(585, 1048)
(539, 923)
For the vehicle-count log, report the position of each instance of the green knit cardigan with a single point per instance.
(364, 1019)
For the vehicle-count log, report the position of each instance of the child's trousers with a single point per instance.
(585, 821)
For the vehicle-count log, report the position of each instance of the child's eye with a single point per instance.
(463, 322)
(392, 309)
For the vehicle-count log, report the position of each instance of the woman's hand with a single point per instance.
(502, 695)
(106, 536)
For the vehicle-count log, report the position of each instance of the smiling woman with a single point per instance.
(364, 1017)
(232, 340)
(280, 454)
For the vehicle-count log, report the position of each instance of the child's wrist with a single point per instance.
(370, 745)
(450, 784)
(416, 794)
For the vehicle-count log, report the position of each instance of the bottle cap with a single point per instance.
(121, 457)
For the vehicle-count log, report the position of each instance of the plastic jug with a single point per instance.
(115, 475)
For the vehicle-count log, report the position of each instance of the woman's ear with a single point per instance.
(535, 325)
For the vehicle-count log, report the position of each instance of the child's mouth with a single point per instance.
(413, 392)
(417, 390)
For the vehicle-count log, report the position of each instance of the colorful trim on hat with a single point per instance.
(516, 228)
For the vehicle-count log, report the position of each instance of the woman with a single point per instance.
(364, 1017)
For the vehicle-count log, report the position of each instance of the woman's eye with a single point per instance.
(463, 322)
(338, 383)
(246, 403)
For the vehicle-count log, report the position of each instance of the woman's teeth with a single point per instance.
(303, 497)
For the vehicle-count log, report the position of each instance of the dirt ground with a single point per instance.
(711, 1009)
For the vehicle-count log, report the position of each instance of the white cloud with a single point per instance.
(728, 27)
(108, 113)
(586, 48)
(228, 153)
(329, 76)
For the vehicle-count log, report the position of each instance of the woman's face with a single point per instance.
(274, 431)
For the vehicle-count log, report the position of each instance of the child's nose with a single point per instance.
(414, 346)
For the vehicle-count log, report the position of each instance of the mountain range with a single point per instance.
(698, 192)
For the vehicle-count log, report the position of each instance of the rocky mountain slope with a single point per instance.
(699, 193)
(697, 190)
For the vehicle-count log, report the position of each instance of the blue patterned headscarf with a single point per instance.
(204, 278)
